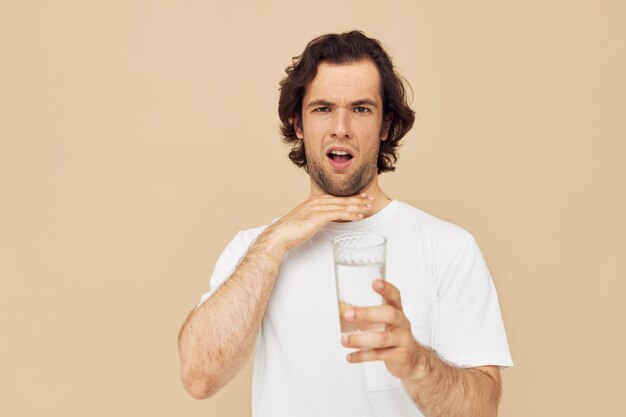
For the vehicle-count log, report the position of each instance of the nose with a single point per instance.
(341, 126)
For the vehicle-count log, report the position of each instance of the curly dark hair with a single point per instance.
(344, 48)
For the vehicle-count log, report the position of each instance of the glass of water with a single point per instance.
(359, 260)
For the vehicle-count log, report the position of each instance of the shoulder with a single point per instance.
(432, 227)
(245, 238)
(440, 240)
(235, 250)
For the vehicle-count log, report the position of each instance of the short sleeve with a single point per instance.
(468, 330)
(229, 260)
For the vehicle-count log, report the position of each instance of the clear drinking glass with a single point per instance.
(359, 260)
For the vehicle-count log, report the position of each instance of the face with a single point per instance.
(342, 127)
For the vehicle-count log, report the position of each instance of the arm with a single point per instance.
(219, 336)
(437, 388)
(440, 389)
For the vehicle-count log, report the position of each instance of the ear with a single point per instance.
(384, 129)
(297, 125)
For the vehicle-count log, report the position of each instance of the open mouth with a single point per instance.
(339, 159)
(339, 156)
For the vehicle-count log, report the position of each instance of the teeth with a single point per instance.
(339, 152)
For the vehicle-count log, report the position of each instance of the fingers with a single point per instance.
(373, 340)
(402, 357)
(370, 355)
(343, 215)
(351, 207)
(390, 292)
(346, 213)
(341, 208)
(331, 201)
(387, 314)
(396, 345)
(350, 200)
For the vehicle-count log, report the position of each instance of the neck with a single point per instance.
(381, 199)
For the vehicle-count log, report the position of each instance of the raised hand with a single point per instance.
(308, 218)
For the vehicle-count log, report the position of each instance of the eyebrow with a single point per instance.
(319, 102)
(365, 101)
(326, 103)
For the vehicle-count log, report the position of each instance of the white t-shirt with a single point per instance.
(447, 293)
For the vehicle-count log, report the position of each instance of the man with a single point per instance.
(344, 110)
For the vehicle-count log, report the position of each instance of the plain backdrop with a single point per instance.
(137, 137)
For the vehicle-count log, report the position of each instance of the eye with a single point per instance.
(361, 109)
(321, 109)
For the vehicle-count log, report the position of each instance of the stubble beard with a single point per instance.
(349, 186)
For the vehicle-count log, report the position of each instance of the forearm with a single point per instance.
(440, 389)
(219, 336)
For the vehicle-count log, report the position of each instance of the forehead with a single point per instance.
(355, 80)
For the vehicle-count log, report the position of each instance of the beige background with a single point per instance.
(137, 137)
